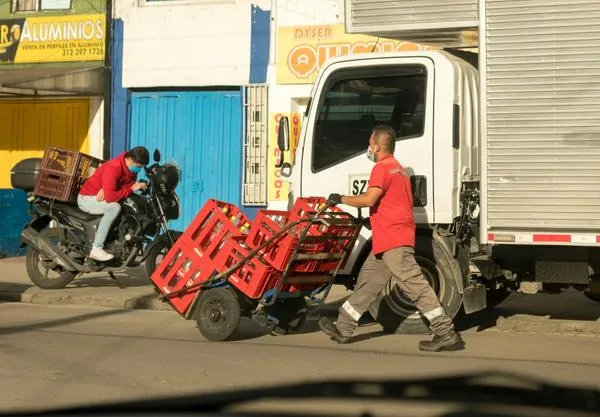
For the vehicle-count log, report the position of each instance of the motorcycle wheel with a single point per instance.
(156, 252)
(39, 268)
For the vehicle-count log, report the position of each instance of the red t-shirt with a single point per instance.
(114, 177)
(392, 219)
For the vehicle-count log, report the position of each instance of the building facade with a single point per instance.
(207, 81)
(52, 87)
(189, 78)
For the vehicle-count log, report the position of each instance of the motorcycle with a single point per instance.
(139, 235)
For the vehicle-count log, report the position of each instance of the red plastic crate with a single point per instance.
(213, 225)
(305, 206)
(63, 172)
(266, 225)
(255, 277)
(269, 222)
(180, 268)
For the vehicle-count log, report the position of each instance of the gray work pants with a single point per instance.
(375, 275)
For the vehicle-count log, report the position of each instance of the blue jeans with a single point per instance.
(109, 211)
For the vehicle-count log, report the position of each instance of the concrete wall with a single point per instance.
(186, 44)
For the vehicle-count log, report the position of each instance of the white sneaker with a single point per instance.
(100, 254)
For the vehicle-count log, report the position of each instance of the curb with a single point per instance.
(144, 302)
(543, 325)
(147, 301)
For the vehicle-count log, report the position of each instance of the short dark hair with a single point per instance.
(140, 155)
(386, 137)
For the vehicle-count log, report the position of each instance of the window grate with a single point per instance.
(255, 145)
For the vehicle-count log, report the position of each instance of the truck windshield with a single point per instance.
(352, 107)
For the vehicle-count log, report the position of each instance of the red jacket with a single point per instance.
(114, 177)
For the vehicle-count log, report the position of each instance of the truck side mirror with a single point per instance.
(283, 139)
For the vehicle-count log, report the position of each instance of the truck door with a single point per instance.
(351, 99)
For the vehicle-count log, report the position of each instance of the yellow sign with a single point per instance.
(302, 50)
(278, 188)
(38, 39)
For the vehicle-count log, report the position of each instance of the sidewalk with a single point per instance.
(131, 291)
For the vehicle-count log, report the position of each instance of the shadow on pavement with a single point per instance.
(568, 305)
(59, 322)
(129, 279)
(12, 291)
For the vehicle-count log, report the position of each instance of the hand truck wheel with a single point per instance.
(218, 314)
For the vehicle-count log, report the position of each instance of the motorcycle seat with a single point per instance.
(73, 210)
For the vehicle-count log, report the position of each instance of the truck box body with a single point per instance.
(540, 107)
(541, 115)
(426, 21)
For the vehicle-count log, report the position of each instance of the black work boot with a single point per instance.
(451, 341)
(329, 328)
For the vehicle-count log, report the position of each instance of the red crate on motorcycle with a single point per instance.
(182, 267)
(253, 278)
(63, 172)
(216, 222)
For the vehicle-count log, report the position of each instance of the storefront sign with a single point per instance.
(278, 188)
(302, 50)
(40, 39)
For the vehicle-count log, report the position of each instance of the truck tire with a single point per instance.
(397, 314)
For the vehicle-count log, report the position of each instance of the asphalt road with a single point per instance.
(53, 356)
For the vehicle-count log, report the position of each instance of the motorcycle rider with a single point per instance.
(112, 182)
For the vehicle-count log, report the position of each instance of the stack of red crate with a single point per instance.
(194, 258)
(254, 277)
(221, 236)
(268, 223)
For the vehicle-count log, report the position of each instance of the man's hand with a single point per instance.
(334, 199)
(100, 195)
(139, 186)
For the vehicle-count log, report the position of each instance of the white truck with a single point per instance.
(503, 144)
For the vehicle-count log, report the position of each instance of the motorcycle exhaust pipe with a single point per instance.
(43, 245)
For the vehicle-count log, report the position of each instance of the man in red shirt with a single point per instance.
(389, 197)
(112, 182)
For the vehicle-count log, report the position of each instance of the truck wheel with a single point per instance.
(218, 314)
(290, 312)
(397, 314)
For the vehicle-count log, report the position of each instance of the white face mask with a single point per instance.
(370, 154)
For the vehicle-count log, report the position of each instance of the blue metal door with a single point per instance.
(202, 132)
